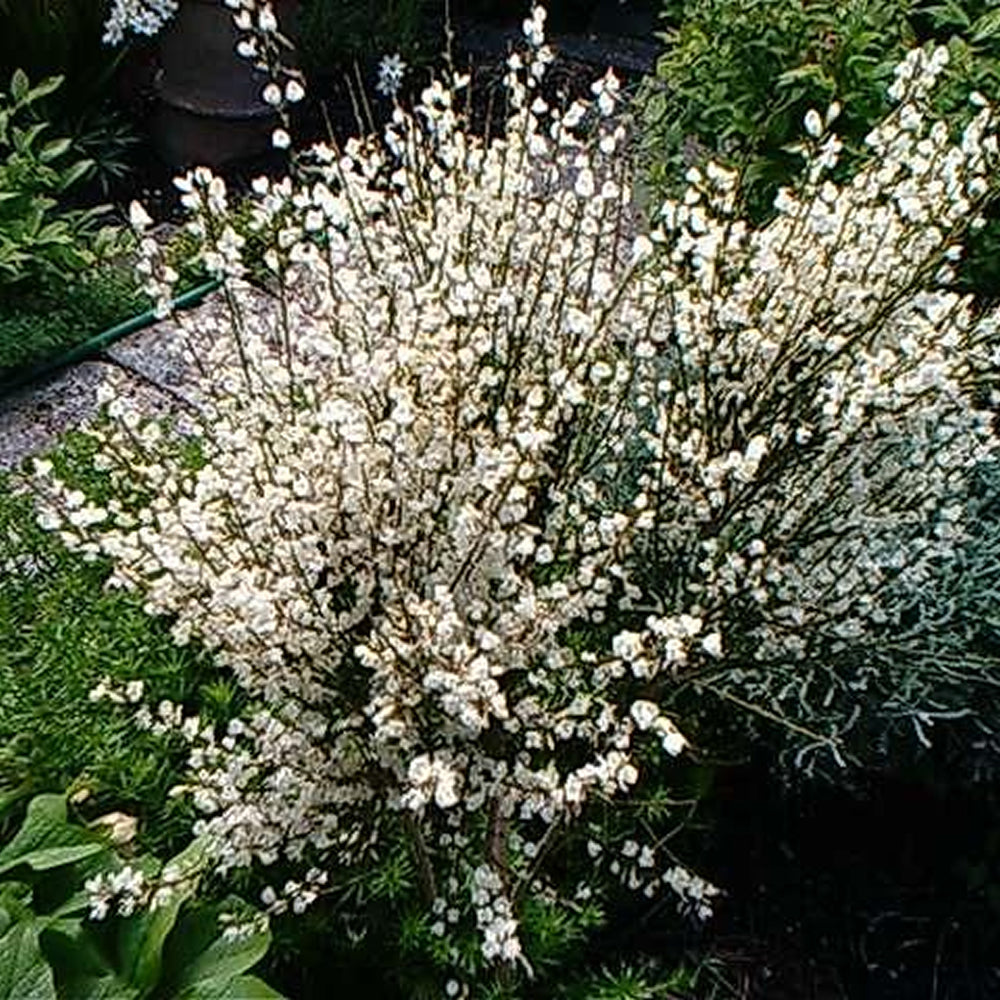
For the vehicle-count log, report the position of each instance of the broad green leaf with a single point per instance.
(949, 13)
(104, 988)
(79, 169)
(988, 26)
(24, 973)
(15, 904)
(241, 988)
(53, 149)
(71, 949)
(197, 952)
(46, 839)
(46, 87)
(56, 857)
(142, 937)
(80, 967)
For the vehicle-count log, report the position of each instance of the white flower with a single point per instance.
(280, 139)
(142, 17)
(712, 644)
(266, 20)
(120, 827)
(813, 123)
(645, 713)
(533, 27)
(138, 217)
(390, 75)
(606, 91)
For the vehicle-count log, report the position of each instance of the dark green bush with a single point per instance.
(46, 37)
(738, 76)
(332, 34)
(63, 37)
(42, 239)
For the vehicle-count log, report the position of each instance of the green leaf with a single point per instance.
(987, 27)
(46, 87)
(15, 904)
(143, 936)
(24, 973)
(19, 85)
(74, 173)
(241, 988)
(809, 73)
(53, 149)
(80, 967)
(11, 797)
(104, 988)
(949, 13)
(71, 948)
(56, 857)
(198, 952)
(46, 840)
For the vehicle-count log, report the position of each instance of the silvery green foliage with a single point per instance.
(841, 561)
(491, 477)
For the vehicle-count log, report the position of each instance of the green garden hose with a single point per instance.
(96, 344)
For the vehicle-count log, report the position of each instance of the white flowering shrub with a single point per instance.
(498, 469)
(829, 343)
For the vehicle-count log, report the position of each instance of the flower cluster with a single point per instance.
(494, 916)
(695, 893)
(264, 44)
(140, 17)
(494, 473)
(636, 866)
(125, 890)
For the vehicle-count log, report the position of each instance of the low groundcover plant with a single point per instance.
(497, 468)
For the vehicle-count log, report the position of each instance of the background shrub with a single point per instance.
(738, 76)
(332, 34)
(63, 38)
(38, 324)
(42, 238)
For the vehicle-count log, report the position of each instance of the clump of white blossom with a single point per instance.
(133, 887)
(498, 468)
(139, 17)
(122, 892)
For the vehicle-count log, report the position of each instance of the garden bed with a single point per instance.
(867, 876)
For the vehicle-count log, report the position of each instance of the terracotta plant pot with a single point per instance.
(210, 109)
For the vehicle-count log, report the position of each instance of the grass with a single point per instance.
(61, 633)
(36, 326)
